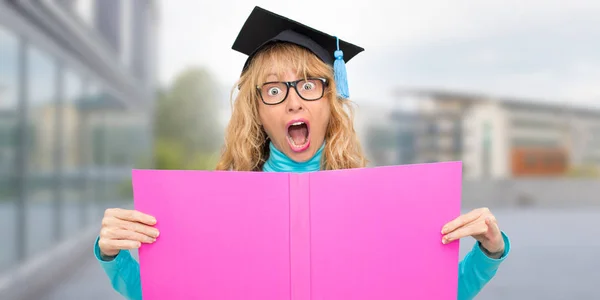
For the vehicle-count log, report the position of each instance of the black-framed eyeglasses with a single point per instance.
(275, 92)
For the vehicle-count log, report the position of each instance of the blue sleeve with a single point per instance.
(477, 269)
(123, 272)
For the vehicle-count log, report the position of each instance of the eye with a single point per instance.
(308, 86)
(274, 91)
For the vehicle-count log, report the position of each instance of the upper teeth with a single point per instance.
(297, 123)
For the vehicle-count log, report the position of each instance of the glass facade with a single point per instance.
(41, 135)
(72, 168)
(9, 112)
(67, 147)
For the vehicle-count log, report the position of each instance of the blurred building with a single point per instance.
(498, 138)
(372, 125)
(77, 81)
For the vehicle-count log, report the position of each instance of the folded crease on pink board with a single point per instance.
(370, 233)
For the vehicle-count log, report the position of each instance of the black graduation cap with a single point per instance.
(264, 27)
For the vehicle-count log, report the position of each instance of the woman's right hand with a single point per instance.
(125, 229)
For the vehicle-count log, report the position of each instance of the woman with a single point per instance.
(292, 115)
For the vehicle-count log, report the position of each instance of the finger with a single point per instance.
(461, 221)
(122, 244)
(121, 234)
(138, 227)
(110, 221)
(470, 230)
(134, 216)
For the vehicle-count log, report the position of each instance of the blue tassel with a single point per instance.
(339, 72)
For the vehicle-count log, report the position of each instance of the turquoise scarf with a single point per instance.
(279, 162)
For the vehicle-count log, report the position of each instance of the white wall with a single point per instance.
(499, 161)
(585, 141)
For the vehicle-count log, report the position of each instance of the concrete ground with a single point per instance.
(554, 256)
(87, 282)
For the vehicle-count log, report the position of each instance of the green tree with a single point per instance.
(187, 134)
(186, 131)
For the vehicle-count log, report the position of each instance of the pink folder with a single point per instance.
(371, 233)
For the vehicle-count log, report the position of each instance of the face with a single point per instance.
(295, 126)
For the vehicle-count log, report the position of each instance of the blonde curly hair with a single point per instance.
(246, 142)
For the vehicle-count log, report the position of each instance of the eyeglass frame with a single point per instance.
(293, 84)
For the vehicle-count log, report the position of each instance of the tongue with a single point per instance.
(298, 134)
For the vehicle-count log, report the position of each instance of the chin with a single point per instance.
(301, 155)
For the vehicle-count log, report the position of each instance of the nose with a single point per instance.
(294, 102)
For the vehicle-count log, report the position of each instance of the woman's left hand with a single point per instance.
(481, 225)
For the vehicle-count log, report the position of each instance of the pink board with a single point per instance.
(371, 233)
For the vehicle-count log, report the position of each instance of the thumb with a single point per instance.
(492, 226)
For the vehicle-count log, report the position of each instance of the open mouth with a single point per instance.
(297, 135)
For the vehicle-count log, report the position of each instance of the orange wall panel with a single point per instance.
(539, 161)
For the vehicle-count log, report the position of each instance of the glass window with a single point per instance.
(119, 155)
(96, 137)
(90, 119)
(41, 144)
(72, 192)
(127, 145)
(73, 92)
(9, 74)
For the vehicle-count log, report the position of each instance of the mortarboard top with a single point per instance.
(264, 27)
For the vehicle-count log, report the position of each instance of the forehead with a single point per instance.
(289, 75)
(281, 67)
(278, 66)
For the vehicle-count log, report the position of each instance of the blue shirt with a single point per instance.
(475, 270)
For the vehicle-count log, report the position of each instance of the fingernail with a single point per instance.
(443, 230)
(444, 241)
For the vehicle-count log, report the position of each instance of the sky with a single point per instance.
(542, 50)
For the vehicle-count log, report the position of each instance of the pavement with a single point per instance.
(63, 270)
(87, 282)
(554, 256)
